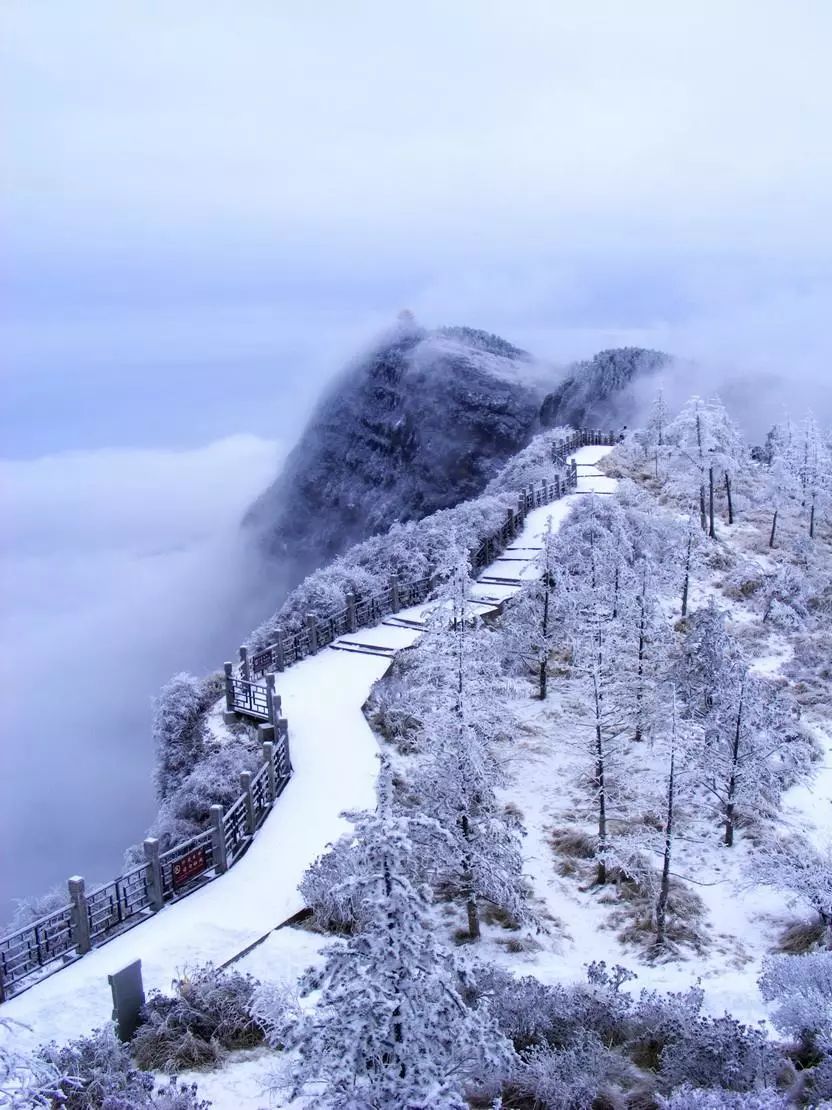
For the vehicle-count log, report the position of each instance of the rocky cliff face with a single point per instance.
(419, 424)
(600, 391)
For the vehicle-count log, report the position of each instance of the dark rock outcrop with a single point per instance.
(600, 391)
(419, 424)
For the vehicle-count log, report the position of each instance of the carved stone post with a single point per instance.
(352, 622)
(283, 744)
(278, 651)
(229, 687)
(80, 917)
(245, 786)
(244, 668)
(272, 700)
(218, 840)
(154, 873)
(268, 759)
(312, 632)
(394, 594)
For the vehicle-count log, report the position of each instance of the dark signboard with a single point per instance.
(184, 869)
(128, 999)
(261, 661)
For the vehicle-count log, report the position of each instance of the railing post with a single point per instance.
(278, 650)
(154, 873)
(218, 840)
(244, 668)
(394, 594)
(80, 916)
(283, 741)
(245, 786)
(352, 623)
(557, 487)
(267, 736)
(312, 632)
(272, 700)
(229, 687)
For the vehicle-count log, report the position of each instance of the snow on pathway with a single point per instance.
(334, 757)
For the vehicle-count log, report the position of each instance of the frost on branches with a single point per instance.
(390, 1028)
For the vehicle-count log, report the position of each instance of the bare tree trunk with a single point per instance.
(773, 529)
(600, 784)
(812, 519)
(664, 889)
(731, 793)
(471, 906)
(730, 498)
(640, 674)
(544, 662)
(711, 526)
(686, 582)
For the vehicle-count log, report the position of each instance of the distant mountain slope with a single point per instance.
(420, 423)
(597, 391)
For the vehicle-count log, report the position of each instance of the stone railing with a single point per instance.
(91, 918)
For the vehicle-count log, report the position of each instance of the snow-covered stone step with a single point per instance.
(404, 622)
(363, 649)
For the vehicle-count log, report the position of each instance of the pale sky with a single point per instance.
(201, 194)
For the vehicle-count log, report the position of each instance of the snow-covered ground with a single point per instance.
(334, 756)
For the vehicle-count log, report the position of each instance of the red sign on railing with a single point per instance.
(184, 869)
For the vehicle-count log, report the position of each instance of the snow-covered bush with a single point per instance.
(26, 1079)
(179, 728)
(584, 1073)
(209, 1013)
(30, 909)
(801, 986)
(99, 1072)
(326, 887)
(718, 1052)
(698, 1098)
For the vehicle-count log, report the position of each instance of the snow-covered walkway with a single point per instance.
(334, 756)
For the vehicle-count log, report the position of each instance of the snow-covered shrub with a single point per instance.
(327, 887)
(209, 1013)
(179, 728)
(802, 988)
(698, 1098)
(26, 1079)
(572, 1078)
(172, 1096)
(718, 1052)
(276, 1009)
(30, 909)
(100, 1073)
(215, 780)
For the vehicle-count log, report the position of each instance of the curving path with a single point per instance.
(334, 757)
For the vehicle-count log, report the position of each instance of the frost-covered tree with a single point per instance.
(390, 1028)
(179, 729)
(705, 448)
(456, 683)
(653, 437)
(530, 625)
(743, 723)
(794, 865)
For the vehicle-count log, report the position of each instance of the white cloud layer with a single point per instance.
(120, 567)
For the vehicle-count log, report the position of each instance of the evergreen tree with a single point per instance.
(391, 1029)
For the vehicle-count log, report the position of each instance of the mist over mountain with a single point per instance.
(598, 390)
(421, 422)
